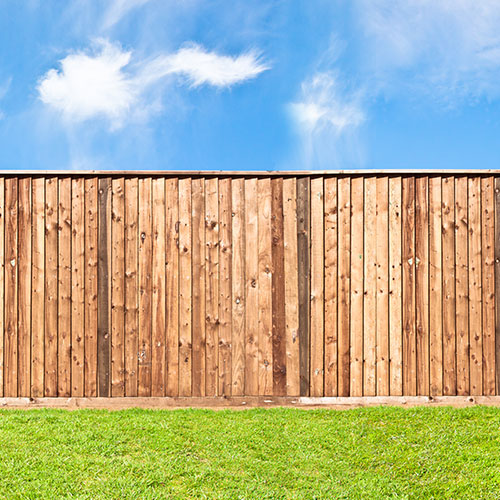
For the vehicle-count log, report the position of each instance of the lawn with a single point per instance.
(273, 453)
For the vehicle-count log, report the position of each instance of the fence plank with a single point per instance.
(382, 310)
(24, 292)
(172, 284)
(103, 295)
(331, 270)
(291, 286)
(185, 288)
(199, 288)
(488, 284)
(158, 338)
(91, 231)
(145, 287)
(225, 293)
(64, 289)
(51, 275)
(461, 286)
(344, 287)
(475, 309)
(497, 284)
(435, 288)
(265, 287)
(131, 285)
(448, 238)
(422, 282)
(370, 286)
(77, 285)
(408, 252)
(395, 288)
(303, 252)
(317, 287)
(251, 289)
(212, 284)
(357, 263)
(37, 284)
(238, 286)
(118, 287)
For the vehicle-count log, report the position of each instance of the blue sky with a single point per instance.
(249, 84)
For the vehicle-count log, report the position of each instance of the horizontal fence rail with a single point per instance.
(185, 285)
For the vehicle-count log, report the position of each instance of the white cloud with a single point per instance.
(325, 106)
(449, 49)
(118, 9)
(327, 115)
(91, 85)
(107, 82)
(200, 67)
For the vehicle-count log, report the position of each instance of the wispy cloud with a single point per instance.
(449, 49)
(107, 82)
(327, 115)
(118, 9)
(4, 88)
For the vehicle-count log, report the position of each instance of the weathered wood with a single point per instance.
(145, 287)
(344, 288)
(264, 195)
(51, 274)
(497, 284)
(37, 284)
(158, 336)
(395, 288)
(291, 287)
(382, 311)
(422, 283)
(331, 303)
(475, 296)
(77, 286)
(103, 295)
(117, 270)
(408, 254)
(199, 289)
(91, 236)
(317, 287)
(369, 276)
(303, 255)
(251, 288)
(435, 288)
(357, 263)
(131, 285)
(172, 284)
(24, 291)
(238, 287)
(212, 285)
(64, 289)
(11, 291)
(448, 241)
(185, 289)
(461, 286)
(225, 290)
(488, 284)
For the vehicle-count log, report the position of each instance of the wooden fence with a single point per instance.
(249, 284)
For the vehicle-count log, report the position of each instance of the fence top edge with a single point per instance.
(244, 173)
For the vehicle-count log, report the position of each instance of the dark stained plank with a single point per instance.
(303, 251)
(278, 289)
(103, 285)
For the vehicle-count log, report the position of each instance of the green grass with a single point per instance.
(274, 453)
